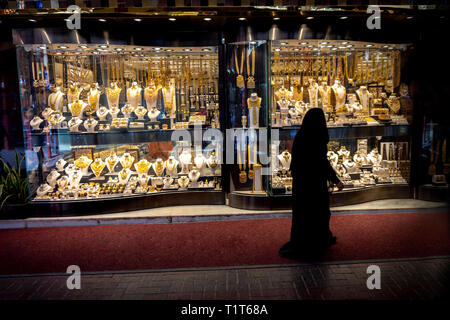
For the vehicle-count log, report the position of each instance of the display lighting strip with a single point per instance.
(114, 49)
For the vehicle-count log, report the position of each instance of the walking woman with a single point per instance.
(310, 231)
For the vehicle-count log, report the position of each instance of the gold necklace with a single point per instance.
(124, 173)
(251, 73)
(73, 94)
(170, 164)
(242, 173)
(82, 162)
(53, 101)
(127, 161)
(255, 105)
(142, 166)
(239, 77)
(75, 108)
(97, 166)
(159, 167)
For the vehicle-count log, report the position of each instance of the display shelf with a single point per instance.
(349, 132)
(254, 201)
(106, 137)
(123, 204)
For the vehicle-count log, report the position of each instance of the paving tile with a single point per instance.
(401, 280)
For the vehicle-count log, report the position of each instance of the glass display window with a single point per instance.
(104, 121)
(367, 108)
(247, 100)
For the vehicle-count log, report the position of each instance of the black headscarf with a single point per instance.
(311, 138)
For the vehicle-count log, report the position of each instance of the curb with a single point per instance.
(83, 222)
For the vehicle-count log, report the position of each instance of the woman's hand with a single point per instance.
(340, 185)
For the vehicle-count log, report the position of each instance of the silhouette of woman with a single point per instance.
(310, 232)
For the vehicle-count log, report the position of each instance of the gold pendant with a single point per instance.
(251, 82)
(240, 81)
(251, 174)
(242, 177)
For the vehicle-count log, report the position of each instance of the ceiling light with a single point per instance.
(31, 20)
(102, 20)
(58, 53)
(334, 49)
(118, 49)
(409, 17)
(369, 45)
(172, 19)
(324, 42)
(103, 46)
(330, 46)
(385, 46)
(138, 49)
(42, 47)
(169, 50)
(349, 46)
(206, 49)
(187, 49)
(277, 49)
(345, 42)
(276, 18)
(138, 20)
(63, 47)
(207, 19)
(303, 42)
(83, 46)
(310, 18)
(296, 49)
(242, 19)
(157, 49)
(343, 18)
(76, 52)
(283, 43)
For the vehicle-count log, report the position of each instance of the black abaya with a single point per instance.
(310, 232)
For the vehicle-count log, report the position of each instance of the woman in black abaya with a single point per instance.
(310, 232)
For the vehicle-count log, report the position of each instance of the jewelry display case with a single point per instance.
(104, 122)
(368, 111)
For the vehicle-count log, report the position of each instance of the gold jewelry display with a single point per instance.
(183, 181)
(251, 72)
(97, 166)
(242, 166)
(73, 94)
(82, 162)
(171, 164)
(142, 166)
(127, 161)
(76, 108)
(251, 171)
(239, 78)
(112, 162)
(158, 166)
(255, 105)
